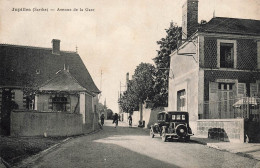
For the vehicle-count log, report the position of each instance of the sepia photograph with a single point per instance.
(130, 83)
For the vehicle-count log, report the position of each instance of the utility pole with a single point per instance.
(100, 84)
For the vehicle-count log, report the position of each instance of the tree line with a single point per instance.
(151, 81)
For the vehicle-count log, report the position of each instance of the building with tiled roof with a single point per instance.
(46, 80)
(216, 65)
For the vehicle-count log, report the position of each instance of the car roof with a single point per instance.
(172, 112)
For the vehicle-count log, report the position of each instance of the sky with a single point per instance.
(114, 38)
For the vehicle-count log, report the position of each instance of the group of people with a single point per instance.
(115, 120)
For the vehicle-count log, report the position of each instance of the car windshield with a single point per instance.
(161, 116)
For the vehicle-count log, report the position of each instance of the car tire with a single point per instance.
(151, 133)
(164, 137)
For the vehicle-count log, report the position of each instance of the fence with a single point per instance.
(229, 119)
(245, 107)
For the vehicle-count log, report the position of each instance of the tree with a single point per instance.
(101, 108)
(162, 62)
(144, 81)
(109, 114)
(139, 88)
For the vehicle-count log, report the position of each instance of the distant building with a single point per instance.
(46, 80)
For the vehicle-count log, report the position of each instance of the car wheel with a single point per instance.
(151, 133)
(164, 137)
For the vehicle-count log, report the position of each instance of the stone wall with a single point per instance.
(229, 130)
(34, 123)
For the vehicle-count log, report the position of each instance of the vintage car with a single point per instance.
(172, 125)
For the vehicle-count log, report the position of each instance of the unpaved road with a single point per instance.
(132, 147)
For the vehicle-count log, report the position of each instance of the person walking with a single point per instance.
(115, 120)
(130, 120)
(102, 118)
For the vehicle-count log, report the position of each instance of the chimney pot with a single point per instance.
(56, 46)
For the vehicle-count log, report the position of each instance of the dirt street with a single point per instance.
(133, 147)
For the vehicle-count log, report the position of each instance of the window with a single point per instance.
(181, 100)
(59, 103)
(225, 86)
(161, 116)
(178, 117)
(226, 54)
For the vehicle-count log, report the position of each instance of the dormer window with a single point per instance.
(227, 55)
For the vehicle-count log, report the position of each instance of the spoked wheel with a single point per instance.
(151, 133)
(164, 137)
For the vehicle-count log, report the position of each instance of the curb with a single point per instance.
(28, 161)
(237, 153)
(34, 158)
(198, 142)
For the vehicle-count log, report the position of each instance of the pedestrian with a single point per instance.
(115, 119)
(130, 120)
(102, 118)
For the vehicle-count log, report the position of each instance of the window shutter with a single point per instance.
(253, 89)
(24, 101)
(213, 100)
(68, 105)
(13, 95)
(241, 90)
(258, 89)
(50, 107)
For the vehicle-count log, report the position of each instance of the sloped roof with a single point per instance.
(62, 81)
(24, 66)
(232, 26)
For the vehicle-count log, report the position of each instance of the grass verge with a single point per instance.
(15, 149)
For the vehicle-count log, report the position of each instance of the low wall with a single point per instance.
(150, 115)
(136, 118)
(33, 123)
(125, 117)
(230, 130)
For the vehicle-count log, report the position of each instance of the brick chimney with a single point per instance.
(56, 46)
(189, 18)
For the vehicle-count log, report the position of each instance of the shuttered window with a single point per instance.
(241, 89)
(253, 89)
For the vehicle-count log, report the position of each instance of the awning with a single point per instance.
(245, 101)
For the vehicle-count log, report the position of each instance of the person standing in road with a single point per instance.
(115, 120)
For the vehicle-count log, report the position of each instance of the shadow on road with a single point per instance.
(133, 146)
